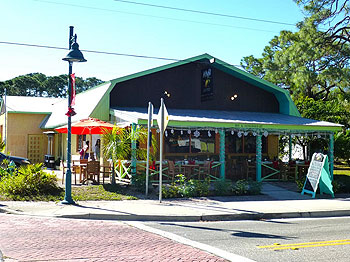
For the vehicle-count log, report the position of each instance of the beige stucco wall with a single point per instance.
(19, 126)
(272, 148)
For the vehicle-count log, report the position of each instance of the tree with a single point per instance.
(300, 63)
(313, 64)
(333, 15)
(38, 84)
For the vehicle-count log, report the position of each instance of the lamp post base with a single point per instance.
(67, 202)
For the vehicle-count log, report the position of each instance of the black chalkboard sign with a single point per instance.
(314, 173)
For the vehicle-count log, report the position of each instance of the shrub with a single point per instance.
(170, 191)
(254, 187)
(341, 184)
(186, 188)
(241, 187)
(300, 183)
(194, 188)
(29, 182)
(222, 188)
(139, 181)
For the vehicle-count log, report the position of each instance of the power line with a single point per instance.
(121, 54)
(205, 13)
(91, 51)
(153, 16)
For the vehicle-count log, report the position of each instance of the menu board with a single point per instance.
(314, 172)
(318, 175)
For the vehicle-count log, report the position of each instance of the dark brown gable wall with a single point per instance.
(184, 85)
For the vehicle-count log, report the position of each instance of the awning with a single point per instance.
(232, 120)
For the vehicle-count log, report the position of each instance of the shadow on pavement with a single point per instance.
(237, 233)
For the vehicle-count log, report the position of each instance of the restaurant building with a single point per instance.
(216, 112)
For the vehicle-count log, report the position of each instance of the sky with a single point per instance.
(128, 28)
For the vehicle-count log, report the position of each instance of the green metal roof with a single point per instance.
(286, 104)
(204, 119)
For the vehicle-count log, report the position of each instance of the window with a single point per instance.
(188, 143)
(80, 141)
(243, 144)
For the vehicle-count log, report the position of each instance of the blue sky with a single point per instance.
(113, 26)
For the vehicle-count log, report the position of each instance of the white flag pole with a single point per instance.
(149, 124)
(161, 112)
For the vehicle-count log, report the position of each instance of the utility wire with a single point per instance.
(91, 51)
(205, 13)
(119, 54)
(153, 16)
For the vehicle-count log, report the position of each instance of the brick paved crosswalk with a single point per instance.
(25, 238)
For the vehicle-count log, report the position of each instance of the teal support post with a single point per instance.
(133, 154)
(222, 154)
(290, 147)
(258, 157)
(331, 154)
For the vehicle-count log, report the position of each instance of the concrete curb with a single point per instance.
(192, 218)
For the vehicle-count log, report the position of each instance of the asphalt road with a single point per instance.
(326, 239)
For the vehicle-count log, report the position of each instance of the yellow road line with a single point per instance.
(319, 245)
(308, 244)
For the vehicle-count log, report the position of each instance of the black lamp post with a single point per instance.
(74, 55)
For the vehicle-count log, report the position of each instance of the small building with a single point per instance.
(216, 112)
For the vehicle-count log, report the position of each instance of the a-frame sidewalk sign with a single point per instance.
(318, 175)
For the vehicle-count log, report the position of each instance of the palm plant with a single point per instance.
(116, 144)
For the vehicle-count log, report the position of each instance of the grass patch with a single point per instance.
(82, 193)
(102, 192)
(341, 172)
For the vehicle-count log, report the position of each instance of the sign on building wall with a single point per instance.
(207, 90)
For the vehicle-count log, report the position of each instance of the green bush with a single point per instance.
(241, 187)
(194, 188)
(341, 184)
(139, 181)
(29, 182)
(186, 188)
(170, 191)
(222, 188)
(300, 183)
(254, 187)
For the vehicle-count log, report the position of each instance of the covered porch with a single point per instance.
(238, 144)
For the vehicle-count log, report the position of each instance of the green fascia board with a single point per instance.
(286, 104)
(160, 68)
(101, 111)
(289, 128)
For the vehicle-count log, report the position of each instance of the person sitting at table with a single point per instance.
(84, 151)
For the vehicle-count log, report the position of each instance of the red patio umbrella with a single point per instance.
(89, 126)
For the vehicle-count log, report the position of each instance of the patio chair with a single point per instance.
(204, 170)
(250, 168)
(174, 170)
(91, 171)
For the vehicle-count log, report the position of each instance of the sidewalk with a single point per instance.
(276, 202)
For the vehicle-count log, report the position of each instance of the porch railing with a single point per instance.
(123, 171)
